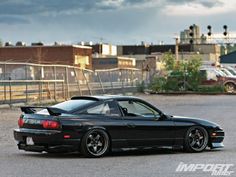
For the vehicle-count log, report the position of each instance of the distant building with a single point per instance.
(149, 49)
(110, 62)
(75, 55)
(104, 49)
(185, 37)
(140, 52)
(195, 38)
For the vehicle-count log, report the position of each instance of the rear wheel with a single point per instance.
(229, 87)
(95, 143)
(196, 139)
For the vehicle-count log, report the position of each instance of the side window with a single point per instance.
(100, 109)
(106, 108)
(203, 74)
(136, 108)
(211, 75)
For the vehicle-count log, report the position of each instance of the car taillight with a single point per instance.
(20, 122)
(49, 124)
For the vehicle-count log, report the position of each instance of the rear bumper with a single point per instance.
(47, 148)
(45, 140)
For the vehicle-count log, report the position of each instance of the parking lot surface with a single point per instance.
(220, 109)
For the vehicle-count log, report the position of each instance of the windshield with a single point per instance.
(232, 71)
(220, 72)
(226, 72)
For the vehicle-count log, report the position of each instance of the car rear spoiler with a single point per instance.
(51, 110)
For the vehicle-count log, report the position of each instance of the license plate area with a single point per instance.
(29, 141)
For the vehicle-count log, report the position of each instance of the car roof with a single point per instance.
(103, 97)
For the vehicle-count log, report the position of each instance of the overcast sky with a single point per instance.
(116, 21)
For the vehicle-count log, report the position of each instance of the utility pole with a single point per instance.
(177, 49)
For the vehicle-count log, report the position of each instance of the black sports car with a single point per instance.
(95, 125)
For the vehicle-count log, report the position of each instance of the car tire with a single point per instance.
(95, 143)
(196, 139)
(181, 86)
(230, 87)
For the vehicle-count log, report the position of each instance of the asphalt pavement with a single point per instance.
(220, 109)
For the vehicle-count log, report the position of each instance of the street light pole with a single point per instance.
(177, 50)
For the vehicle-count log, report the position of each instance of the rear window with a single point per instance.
(73, 104)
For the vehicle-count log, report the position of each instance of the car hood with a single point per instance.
(200, 121)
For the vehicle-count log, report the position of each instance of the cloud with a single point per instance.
(60, 7)
(28, 7)
(205, 3)
(11, 20)
(198, 8)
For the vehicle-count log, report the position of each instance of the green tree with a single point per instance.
(1, 42)
(169, 61)
(178, 74)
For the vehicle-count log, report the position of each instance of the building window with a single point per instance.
(81, 60)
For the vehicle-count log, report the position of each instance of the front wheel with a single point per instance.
(95, 143)
(196, 139)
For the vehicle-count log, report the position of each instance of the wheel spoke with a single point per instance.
(198, 144)
(201, 137)
(90, 136)
(89, 145)
(99, 144)
(192, 135)
(193, 143)
(95, 149)
(97, 137)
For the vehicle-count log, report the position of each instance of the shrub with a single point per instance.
(179, 73)
(157, 84)
(141, 87)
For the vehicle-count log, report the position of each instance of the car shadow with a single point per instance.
(113, 154)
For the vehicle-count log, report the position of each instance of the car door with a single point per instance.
(209, 77)
(144, 125)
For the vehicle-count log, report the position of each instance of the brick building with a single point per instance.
(75, 55)
(110, 62)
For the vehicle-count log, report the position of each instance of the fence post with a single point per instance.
(77, 79)
(110, 79)
(5, 89)
(55, 84)
(132, 78)
(100, 81)
(63, 90)
(10, 92)
(67, 83)
(90, 91)
(40, 92)
(26, 85)
(122, 80)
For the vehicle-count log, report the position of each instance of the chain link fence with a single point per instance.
(24, 82)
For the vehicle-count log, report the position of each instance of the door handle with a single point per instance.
(131, 125)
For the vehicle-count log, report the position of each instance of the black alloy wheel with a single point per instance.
(95, 143)
(196, 139)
